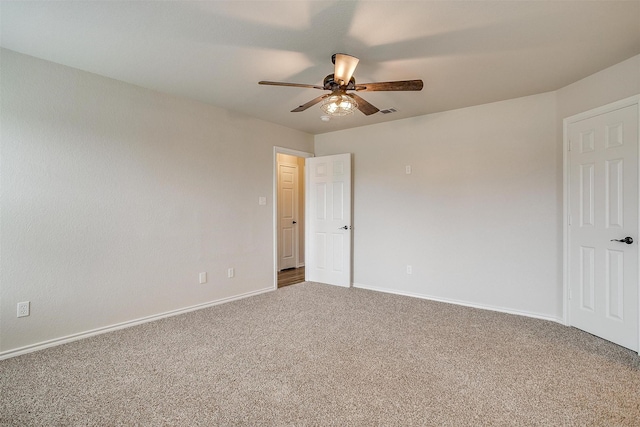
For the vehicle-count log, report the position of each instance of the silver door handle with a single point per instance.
(628, 240)
(344, 228)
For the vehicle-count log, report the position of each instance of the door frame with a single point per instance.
(280, 150)
(626, 102)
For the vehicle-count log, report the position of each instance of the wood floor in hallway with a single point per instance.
(290, 276)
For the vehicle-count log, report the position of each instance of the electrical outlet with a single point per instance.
(203, 277)
(23, 309)
(409, 269)
(231, 272)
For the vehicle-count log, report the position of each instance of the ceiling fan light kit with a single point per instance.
(345, 65)
(340, 103)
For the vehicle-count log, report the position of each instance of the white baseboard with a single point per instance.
(458, 302)
(81, 335)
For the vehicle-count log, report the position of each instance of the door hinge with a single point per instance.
(569, 219)
(569, 146)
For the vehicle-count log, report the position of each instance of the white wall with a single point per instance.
(115, 197)
(478, 216)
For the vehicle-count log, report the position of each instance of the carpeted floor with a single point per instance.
(312, 354)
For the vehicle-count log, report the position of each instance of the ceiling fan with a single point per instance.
(341, 103)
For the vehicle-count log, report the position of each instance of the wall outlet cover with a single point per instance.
(23, 309)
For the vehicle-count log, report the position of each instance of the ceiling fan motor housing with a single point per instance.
(332, 85)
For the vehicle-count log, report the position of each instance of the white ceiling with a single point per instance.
(467, 52)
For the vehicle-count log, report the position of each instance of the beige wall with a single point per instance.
(611, 84)
(115, 197)
(477, 217)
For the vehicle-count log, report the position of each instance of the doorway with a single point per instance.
(289, 216)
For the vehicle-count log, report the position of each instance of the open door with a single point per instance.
(328, 231)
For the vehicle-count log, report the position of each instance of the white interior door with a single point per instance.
(287, 216)
(603, 207)
(328, 226)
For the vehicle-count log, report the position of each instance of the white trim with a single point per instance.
(289, 151)
(81, 335)
(565, 224)
(274, 197)
(458, 302)
(617, 105)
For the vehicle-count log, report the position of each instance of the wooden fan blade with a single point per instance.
(345, 65)
(364, 106)
(389, 86)
(290, 84)
(310, 103)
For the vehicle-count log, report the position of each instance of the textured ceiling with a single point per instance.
(467, 52)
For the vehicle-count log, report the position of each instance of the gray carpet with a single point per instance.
(312, 354)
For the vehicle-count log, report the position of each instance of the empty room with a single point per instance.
(346, 213)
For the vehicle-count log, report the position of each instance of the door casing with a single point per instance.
(633, 100)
